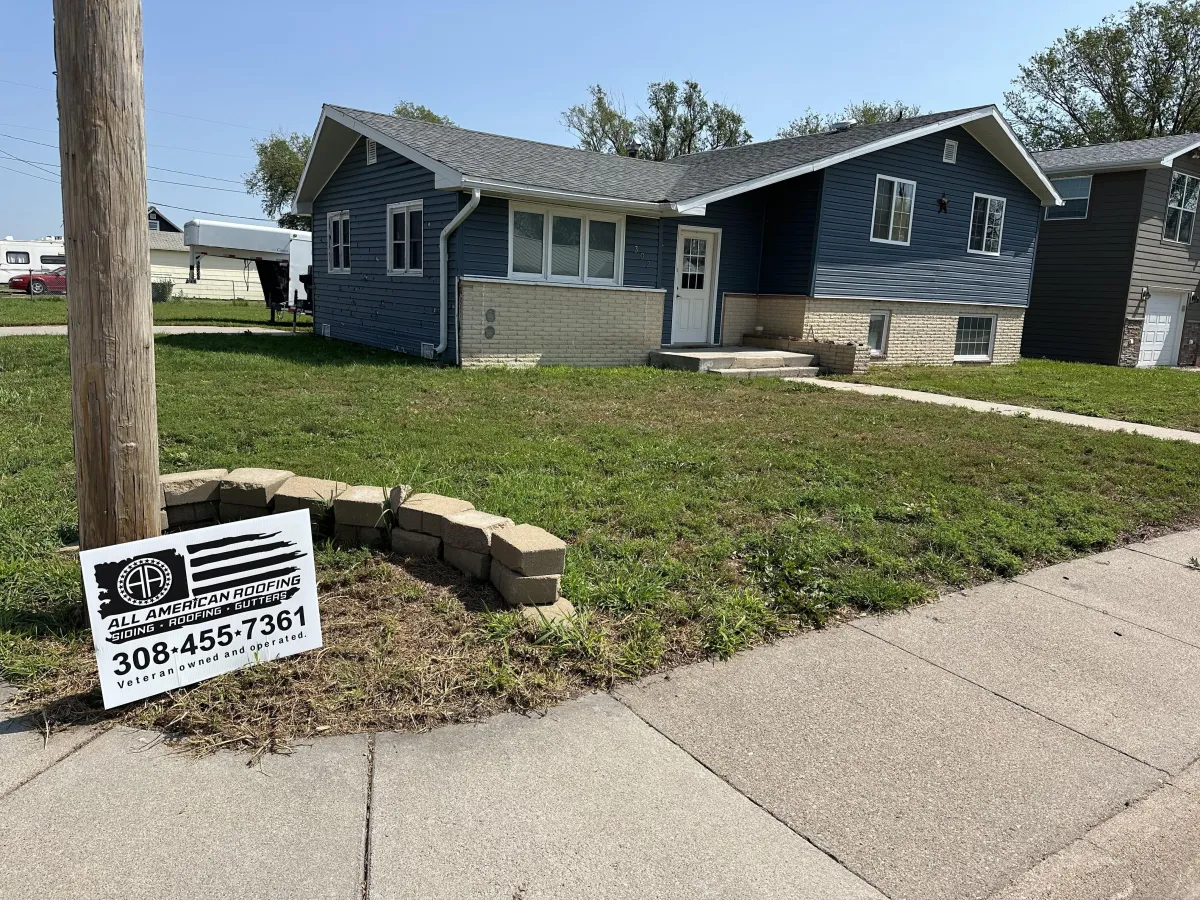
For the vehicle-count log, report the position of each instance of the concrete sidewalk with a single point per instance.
(61, 330)
(1006, 409)
(1027, 740)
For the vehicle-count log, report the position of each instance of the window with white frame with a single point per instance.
(1181, 208)
(405, 237)
(973, 339)
(338, 241)
(892, 223)
(559, 244)
(877, 332)
(987, 224)
(1076, 191)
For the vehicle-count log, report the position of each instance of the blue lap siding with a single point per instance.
(367, 305)
(936, 264)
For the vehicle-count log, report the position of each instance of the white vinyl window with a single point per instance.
(1181, 208)
(892, 222)
(987, 225)
(1076, 191)
(877, 333)
(338, 241)
(560, 244)
(405, 237)
(974, 337)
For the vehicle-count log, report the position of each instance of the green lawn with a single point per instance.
(1160, 396)
(703, 514)
(21, 309)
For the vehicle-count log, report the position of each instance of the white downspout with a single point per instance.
(443, 264)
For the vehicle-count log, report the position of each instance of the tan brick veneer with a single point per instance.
(540, 324)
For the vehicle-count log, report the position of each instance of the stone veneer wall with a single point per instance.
(1189, 346)
(522, 324)
(1131, 342)
(780, 315)
(918, 333)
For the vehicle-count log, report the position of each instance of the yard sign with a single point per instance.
(180, 608)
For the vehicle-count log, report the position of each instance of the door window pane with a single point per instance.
(528, 229)
(416, 241)
(565, 246)
(602, 249)
(695, 252)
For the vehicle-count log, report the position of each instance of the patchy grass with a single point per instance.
(704, 515)
(23, 309)
(1159, 396)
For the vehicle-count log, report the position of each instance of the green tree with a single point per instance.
(406, 109)
(865, 112)
(1135, 75)
(601, 124)
(675, 122)
(276, 176)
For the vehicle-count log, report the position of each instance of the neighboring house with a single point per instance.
(913, 239)
(1118, 265)
(220, 279)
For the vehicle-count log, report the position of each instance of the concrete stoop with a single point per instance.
(737, 362)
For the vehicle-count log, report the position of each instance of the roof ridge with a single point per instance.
(509, 137)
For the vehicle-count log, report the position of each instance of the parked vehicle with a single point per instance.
(30, 257)
(54, 282)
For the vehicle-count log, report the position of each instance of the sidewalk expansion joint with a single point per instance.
(101, 730)
(754, 802)
(366, 870)
(1008, 699)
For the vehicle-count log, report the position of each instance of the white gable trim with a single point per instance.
(1036, 180)
(1169, 159)
(495, 188)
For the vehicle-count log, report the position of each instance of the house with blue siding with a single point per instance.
(913, 241)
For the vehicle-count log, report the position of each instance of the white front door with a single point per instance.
(691, 318)
(1161, 330)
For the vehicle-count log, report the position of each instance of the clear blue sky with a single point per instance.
(510, 68)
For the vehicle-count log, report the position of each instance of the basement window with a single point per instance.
(1076, 192)
(974, 338)
(338, 241)
(877, 333)
(405, 236)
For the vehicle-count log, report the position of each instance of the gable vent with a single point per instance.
(371, 151)
(950, 153)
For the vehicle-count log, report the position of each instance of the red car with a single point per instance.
(53, 282)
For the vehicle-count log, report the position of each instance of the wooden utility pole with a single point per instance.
(102, 141)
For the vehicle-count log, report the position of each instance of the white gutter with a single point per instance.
(443, 266)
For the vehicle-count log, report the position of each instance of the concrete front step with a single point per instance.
(772, 372)
(713, 359)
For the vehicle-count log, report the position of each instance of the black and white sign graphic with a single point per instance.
(177, 609)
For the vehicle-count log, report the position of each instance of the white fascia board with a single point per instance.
(444, 176)
(511, 190)
(1101, 168)
(1169, 160)
(1048, 195)
(1045, 190)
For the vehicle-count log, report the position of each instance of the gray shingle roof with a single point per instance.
(167, 240)
(1122, 154)
(550, 166)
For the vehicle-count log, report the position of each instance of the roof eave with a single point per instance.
(1034, 178)
(513, 190)
(1169, 159)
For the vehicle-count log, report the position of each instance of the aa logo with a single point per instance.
(142, 581)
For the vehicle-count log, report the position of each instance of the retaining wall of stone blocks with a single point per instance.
(522, 324)
(523, 562)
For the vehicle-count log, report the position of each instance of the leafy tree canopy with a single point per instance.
(865, 112)
(677, 120)
(406, 109)
(276, 176)
(1135, 75)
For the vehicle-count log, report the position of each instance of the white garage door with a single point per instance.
(1160, 332)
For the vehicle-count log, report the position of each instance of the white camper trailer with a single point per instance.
(30, 257)
(280, 254)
